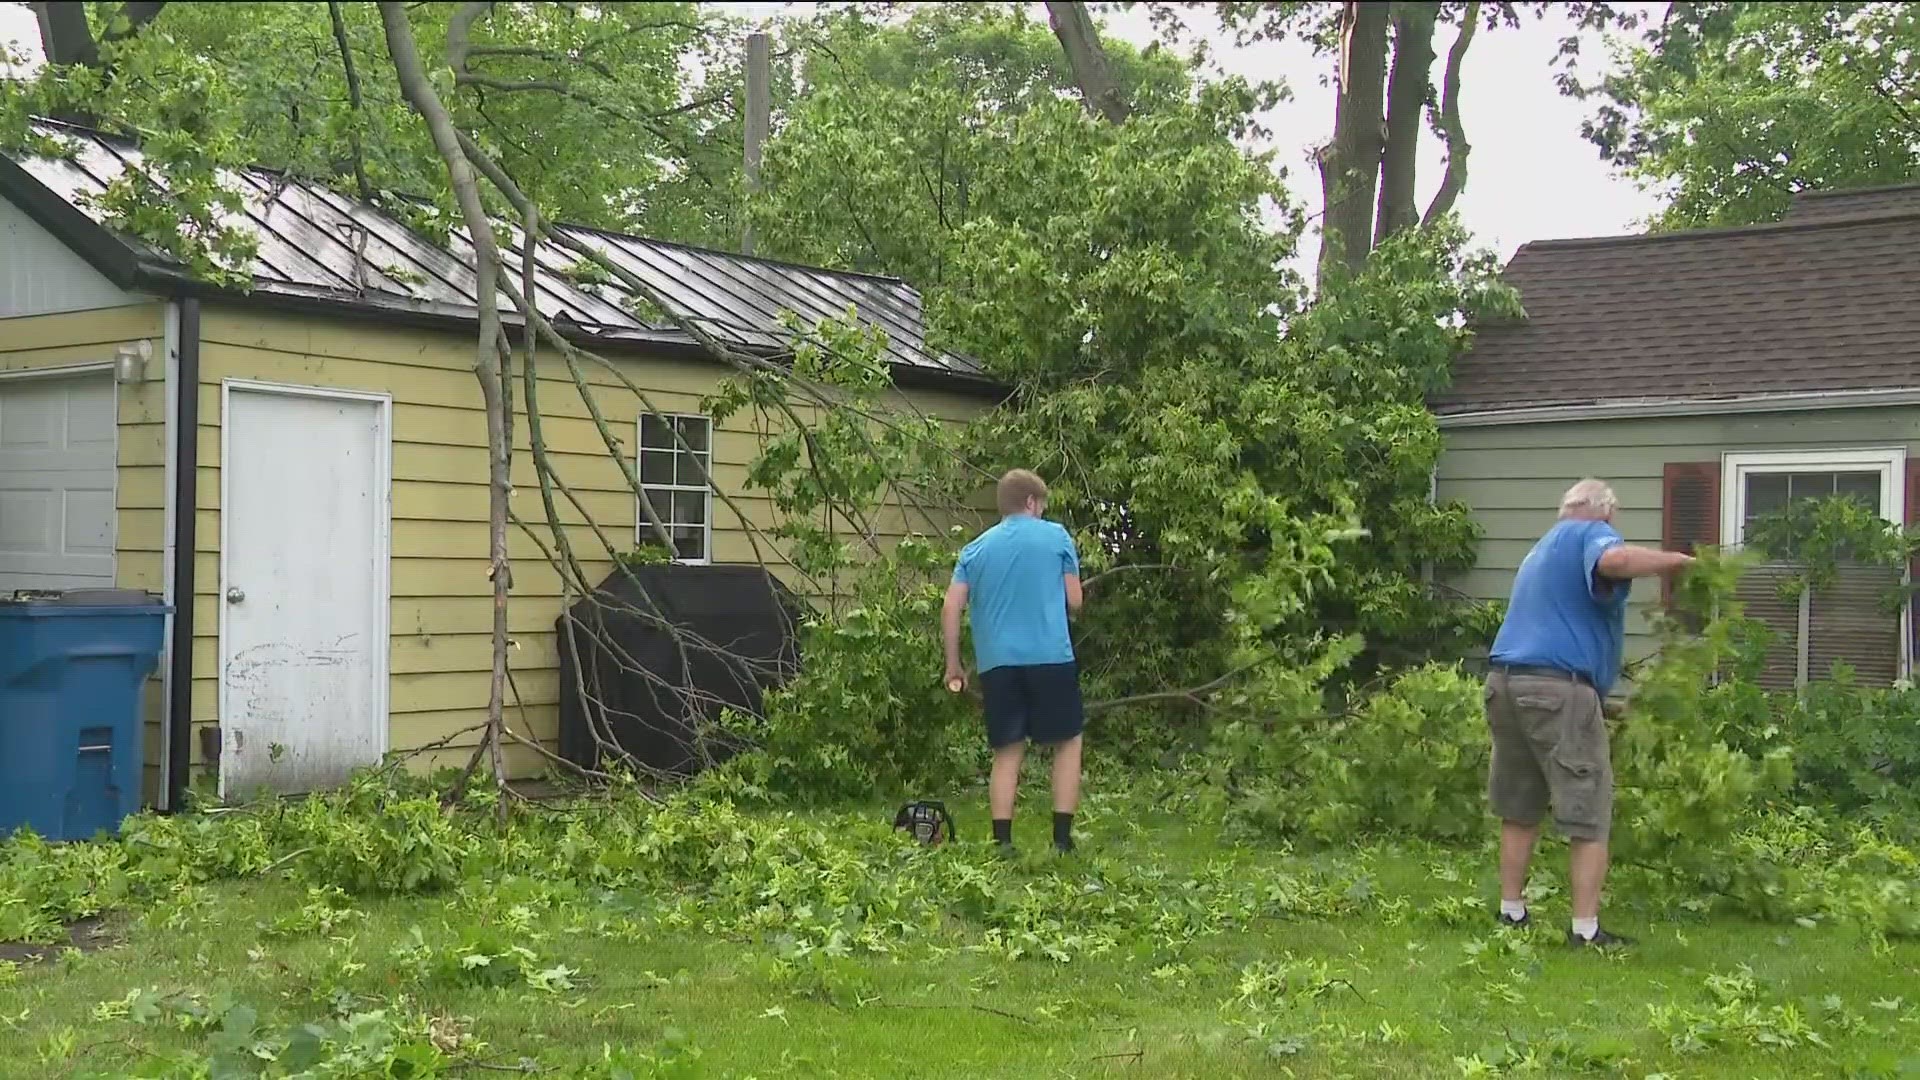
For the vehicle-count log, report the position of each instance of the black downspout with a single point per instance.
(186, 506)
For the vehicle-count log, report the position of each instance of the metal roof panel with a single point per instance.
(314, 241)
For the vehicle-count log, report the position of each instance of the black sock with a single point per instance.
(1003, 830)
(1063, 830)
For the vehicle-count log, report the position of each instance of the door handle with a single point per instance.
(235, 596)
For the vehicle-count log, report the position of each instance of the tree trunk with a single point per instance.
(1088, 59)
(64, 35)
(419, 91)
(354, 99)
(66, 38)
(759, 120)
(1451, 128)
(1350, 164)
(1407, 90)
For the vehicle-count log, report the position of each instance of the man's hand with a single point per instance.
(956, 677)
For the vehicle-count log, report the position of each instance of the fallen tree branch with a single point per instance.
(1087, 583)
(976, 1008)
(742, 362)
(1194, 695)
(354, 100)
(1332, 984)
(471, 157)
(419, 91)
(469, 168)
(284, 860)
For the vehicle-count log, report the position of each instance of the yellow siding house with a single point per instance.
(300, 468)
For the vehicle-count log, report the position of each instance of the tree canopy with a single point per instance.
(1731, 108)
(1259, 466)
(1247, 464)
(1257, 459)
(620, 116)
(895, 145)
(1202, 426)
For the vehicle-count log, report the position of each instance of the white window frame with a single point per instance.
(642, 534)
(1890, 462)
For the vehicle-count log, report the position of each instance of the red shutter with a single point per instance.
(1690, 510)
(1913, 490)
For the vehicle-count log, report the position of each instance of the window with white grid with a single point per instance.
(675, 454)
(1846, 621)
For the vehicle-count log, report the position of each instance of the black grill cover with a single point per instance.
(741, 626)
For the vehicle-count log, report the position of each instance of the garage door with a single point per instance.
(56, 482)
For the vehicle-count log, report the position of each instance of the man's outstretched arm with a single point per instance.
(1623, 561)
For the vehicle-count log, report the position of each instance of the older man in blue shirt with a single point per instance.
(1555, 658)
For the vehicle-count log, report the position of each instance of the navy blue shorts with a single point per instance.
(1040, 702)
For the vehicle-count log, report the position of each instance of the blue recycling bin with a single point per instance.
(71, 669)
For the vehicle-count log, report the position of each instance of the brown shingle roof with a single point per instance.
(1795, 307)
(1860, 202)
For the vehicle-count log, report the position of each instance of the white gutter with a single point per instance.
(171, 351)
(1652, 407)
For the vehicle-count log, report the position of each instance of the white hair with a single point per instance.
(1589, 498)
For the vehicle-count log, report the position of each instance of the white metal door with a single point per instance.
(57, 450)
(303, 582)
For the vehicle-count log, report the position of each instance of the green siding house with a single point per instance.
(1711, 376)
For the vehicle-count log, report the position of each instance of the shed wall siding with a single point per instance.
(441, 609)
(1513, 476)
(42, 276)
(92, 337)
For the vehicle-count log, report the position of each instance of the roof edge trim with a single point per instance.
(87, 238)
(1839, 193)
(1657, 407)
(1711, 233)
(443, 318)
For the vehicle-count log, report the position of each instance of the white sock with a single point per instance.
(1585, 929)
(1513, 909)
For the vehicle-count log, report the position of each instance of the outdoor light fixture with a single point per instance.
(130, 361)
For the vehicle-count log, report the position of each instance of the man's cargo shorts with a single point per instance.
(1549, 751)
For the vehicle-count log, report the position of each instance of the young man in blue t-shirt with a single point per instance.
(1555, 658)
(1020, 580)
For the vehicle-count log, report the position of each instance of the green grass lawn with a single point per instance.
(1412, 982)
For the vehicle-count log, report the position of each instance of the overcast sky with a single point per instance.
(1532, 176)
